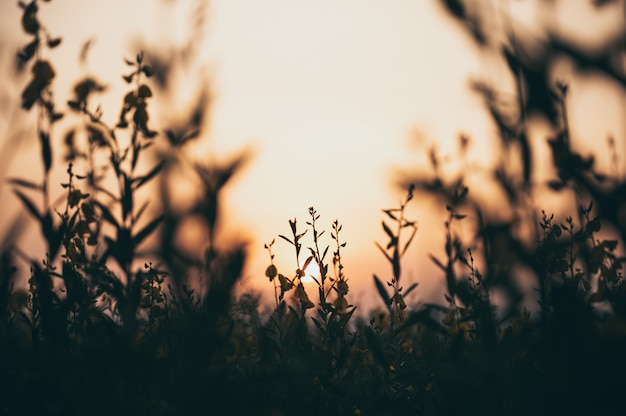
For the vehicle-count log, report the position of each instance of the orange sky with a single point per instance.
(327, 93)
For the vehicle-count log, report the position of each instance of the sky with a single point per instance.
(331, 96)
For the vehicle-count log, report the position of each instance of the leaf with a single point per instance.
(389, 213)
(141, 210)
(396, 265)
(46, 151)
(342, 287)
(556, 185)
(74, 197)
(318, 325)
(383, 251)
(437, 262)
(144, 91)
(147, 230)
(388, 230)
(24, 183)
(392, 243)
(272, 343)
(43, 72)
(142, 180)
(286, 239)
(147, 70)
(127, 197)
(28, 51)
(30, 24)
(29, 205)
(285, 283)
(306, 264)
(106, 213)
(53, 43)
(301, 295)
(463, 193)
(411, 288)
(271, 272)
(382, 292)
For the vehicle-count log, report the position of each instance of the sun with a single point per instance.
(312, 269)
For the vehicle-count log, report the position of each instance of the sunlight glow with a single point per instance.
(311, 270)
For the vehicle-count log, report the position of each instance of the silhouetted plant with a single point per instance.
(105, 317)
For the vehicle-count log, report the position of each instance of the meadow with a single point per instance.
(118, 316)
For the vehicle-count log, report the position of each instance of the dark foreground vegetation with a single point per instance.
(118, 318)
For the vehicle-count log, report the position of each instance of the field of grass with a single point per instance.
(118, 318)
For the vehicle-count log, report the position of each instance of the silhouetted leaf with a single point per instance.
(437, 262)
(42, 76)
(142, 180)
(53, 43)
(382, 292)
(318, 325)
(24, 183)
(388, 231)
(411, 288)
(455, 7)
(302, 297)
(147, 230)
(30, 24)
(106, 213)
(382, 250)
(28, 51)
(147, 71)
(28, 204)
(74, 197)
(84, 50)
(556, 185)
(396, 265)
(306, 263)
(602, 3)
(285, 283)
(271, 272)
(390, 214)
(144, 91)
(46, 151)
(127, 197)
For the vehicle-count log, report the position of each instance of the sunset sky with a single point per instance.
(331, 96)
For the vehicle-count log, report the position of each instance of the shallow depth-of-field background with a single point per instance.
(130, 283)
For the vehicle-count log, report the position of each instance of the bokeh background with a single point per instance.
(333, 100)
